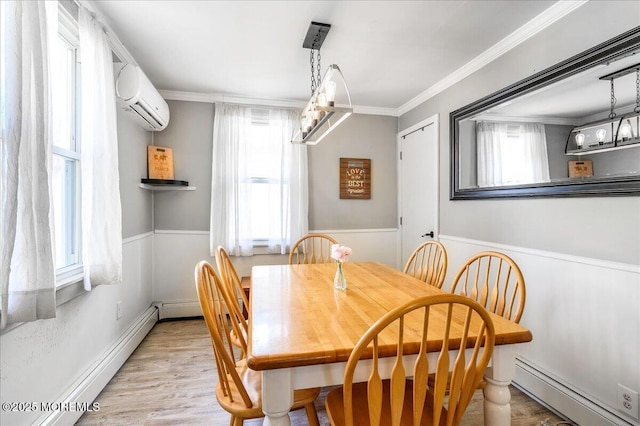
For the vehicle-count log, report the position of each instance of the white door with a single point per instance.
(418, 178)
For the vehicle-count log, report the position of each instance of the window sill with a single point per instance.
(69, 284)
(69, 290)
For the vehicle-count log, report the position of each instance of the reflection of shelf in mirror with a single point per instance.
(602, 148)
(167, 187)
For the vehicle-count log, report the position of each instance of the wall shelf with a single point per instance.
(167, 187)
(604, 148)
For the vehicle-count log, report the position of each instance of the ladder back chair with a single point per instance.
(495, 281)
(233, 286)
(239, 389)
(312, 248)
(459, 323)
(428, 263)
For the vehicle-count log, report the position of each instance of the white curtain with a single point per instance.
(511, 153)
(233, 180)
(101, 209)
(28, 272)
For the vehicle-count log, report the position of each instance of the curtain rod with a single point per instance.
(114, 42)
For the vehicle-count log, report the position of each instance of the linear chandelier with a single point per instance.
(612, 132)
(322, 114)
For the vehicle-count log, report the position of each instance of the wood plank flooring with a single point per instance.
(170, 380)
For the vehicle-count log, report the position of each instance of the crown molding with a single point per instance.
(360, 109)
(561, 121)
(534, 26)
(176, 95)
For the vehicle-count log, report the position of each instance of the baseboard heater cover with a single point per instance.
(565, 400)
(178, 309)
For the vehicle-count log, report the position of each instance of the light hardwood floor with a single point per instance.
(170, 380)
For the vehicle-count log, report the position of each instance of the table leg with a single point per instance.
(497, 397)
(277, 397)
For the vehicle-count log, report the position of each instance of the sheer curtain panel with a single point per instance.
(259, 180)
(511, 153)
(28, 272)
(101, 209)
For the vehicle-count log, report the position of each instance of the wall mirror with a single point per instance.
(554, 134)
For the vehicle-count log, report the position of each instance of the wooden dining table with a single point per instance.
(302, 331)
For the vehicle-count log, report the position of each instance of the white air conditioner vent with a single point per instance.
(137, 95)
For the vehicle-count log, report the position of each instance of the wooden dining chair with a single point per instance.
(428, 263)
(459, 323)
(233, 286)
(495, 281)
(312, 248)
(239, 389)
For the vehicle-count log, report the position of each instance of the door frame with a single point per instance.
(434, 121)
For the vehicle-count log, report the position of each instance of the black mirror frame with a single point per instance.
(625, 43)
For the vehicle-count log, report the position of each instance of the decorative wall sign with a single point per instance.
(355, 178)
(582, 168)
(159, 162)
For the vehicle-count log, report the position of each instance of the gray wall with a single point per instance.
(545, 224)
(556, 140)
(360, 136)
(190, 133)
(132, 158)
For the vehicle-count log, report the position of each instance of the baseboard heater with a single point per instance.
(178, 310)
(563, 399)
(95, 378)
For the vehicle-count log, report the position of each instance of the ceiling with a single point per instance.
(389, 51)
(581, 98)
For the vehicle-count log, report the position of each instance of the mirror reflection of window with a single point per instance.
(511, 153)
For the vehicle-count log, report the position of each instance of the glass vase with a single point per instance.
(339, 281)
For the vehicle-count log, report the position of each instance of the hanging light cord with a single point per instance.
(637, 108)
(315, 81)
(613, 101)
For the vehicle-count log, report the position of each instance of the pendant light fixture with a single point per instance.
(330, 102)
(613, 132)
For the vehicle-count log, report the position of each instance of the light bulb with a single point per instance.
(625, 131)
(601, 134)
(330, 91)
(580, 139)
(322, 100)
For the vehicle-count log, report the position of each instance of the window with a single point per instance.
(511, 153)
(259, 181)
(262, 184)
(65, 172)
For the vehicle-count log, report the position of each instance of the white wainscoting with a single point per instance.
(176, 254)
(585, 318)
(369, 245)
(138, 319)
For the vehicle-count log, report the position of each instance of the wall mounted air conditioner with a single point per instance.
(137, 95)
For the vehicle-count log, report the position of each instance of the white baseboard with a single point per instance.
(91, 383)
(179, 310)
(550, 391)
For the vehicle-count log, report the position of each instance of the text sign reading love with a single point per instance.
(355, 178)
